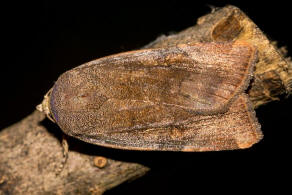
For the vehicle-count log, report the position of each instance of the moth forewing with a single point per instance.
(154, 94)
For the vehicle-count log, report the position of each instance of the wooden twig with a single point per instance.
(31, 152)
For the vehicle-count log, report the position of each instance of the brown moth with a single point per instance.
(184, 98)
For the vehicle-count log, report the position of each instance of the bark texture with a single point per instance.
(273, 72)
(31, 154)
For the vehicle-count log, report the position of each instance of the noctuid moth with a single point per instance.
(184, 98)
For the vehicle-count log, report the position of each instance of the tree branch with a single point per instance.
(33, 144)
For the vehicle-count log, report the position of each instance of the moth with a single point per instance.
(189, 97)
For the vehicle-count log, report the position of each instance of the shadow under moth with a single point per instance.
(184, 98)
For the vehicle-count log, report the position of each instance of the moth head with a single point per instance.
(45, 106)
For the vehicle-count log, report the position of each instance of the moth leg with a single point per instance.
(65, 147)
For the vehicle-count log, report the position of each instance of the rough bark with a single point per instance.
(273, 72)
(31, 155)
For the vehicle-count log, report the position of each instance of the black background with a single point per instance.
(43, 39)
